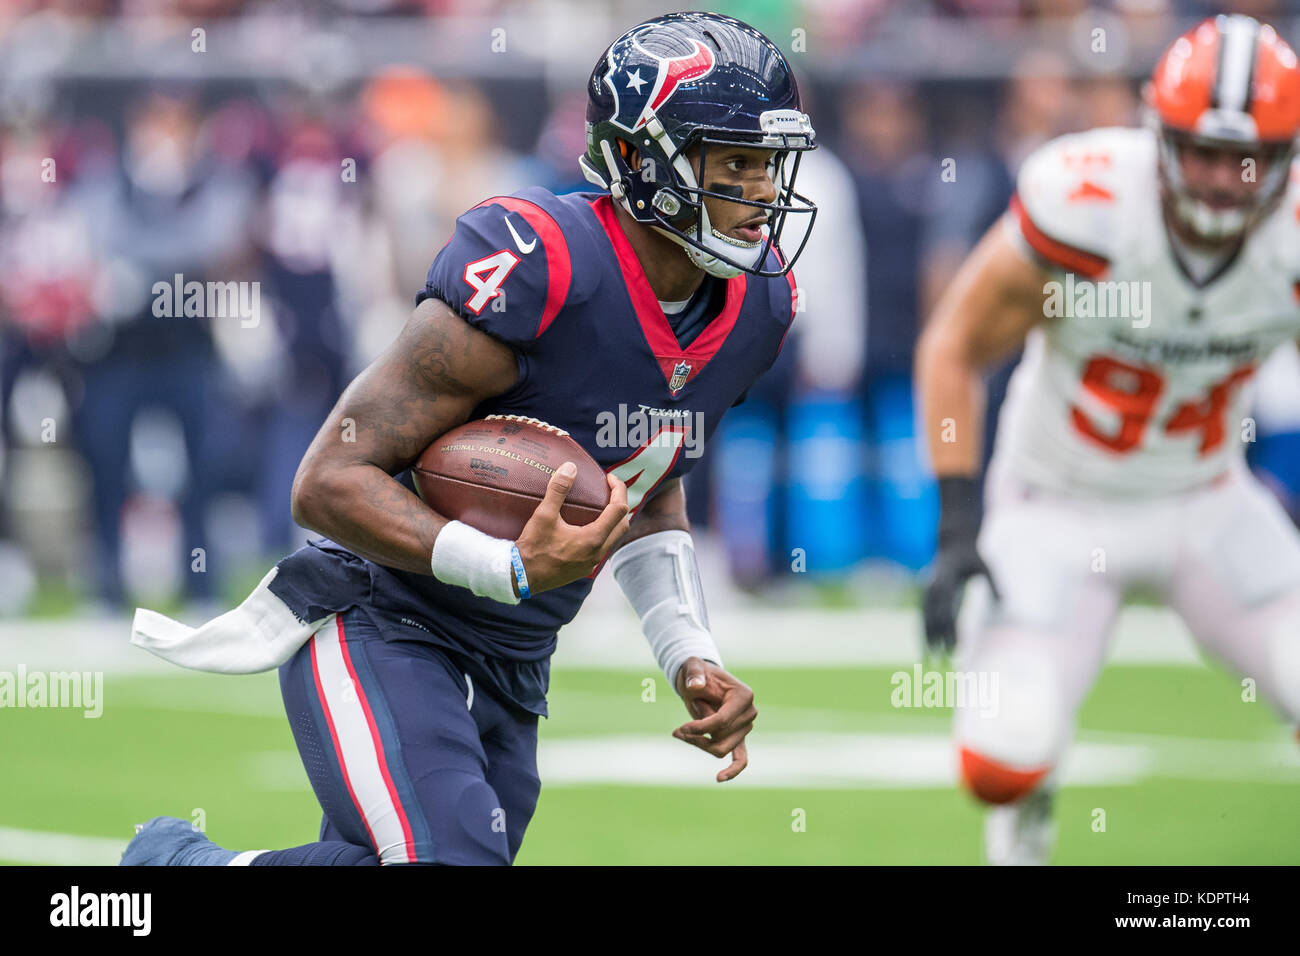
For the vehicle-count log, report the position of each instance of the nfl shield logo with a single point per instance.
(681, 372)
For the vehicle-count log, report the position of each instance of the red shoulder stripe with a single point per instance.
(1059, 253)
(559, 268)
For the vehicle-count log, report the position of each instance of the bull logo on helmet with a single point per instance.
(637, 95)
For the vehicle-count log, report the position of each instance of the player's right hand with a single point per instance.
(555, 552)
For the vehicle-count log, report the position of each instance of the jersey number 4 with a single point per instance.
(645, 468)
(485, 277)
(1132, 391)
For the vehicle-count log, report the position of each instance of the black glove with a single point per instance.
(955, 563)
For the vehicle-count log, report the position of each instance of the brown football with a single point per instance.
(492, 473)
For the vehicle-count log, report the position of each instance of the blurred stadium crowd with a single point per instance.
(150, 458)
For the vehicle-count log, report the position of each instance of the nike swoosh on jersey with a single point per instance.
(523, 247)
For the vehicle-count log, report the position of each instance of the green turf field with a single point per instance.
(1184, 771)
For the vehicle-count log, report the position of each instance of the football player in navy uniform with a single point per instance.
(665, 294)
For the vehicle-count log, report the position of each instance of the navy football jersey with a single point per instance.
(556, 279)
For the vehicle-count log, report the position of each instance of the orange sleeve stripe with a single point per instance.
(1058, 253)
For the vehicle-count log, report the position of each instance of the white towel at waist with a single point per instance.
(259, 635)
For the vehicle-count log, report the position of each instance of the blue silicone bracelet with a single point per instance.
(521, 578)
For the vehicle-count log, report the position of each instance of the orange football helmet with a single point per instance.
(1228, 83)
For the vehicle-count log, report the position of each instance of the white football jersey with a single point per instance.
(1135, 384)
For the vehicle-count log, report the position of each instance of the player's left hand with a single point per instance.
(724, 711)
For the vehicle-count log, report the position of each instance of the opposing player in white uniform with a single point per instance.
(1148, 273)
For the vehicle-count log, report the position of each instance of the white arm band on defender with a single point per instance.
(468, 558)
(659, 575)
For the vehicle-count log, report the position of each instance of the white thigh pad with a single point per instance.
(1250, 543)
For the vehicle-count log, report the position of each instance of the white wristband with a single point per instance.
(468, 558)
(661, 579)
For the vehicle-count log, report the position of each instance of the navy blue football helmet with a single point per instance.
(697, 79)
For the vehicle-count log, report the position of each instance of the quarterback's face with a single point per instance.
(746, 172)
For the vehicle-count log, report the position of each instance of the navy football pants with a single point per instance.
(406, 756)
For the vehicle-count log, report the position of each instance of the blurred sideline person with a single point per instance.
(962, 205)
(435, 156)
(172, 208)
(894, 174)
(305, 207)
(48, 280)
(1148, 273)
(757, 482)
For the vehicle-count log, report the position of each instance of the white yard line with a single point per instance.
(608, 635)
(864, 637)
(853, 761)
(59, 849)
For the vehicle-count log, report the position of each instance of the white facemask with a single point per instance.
(745, 253)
